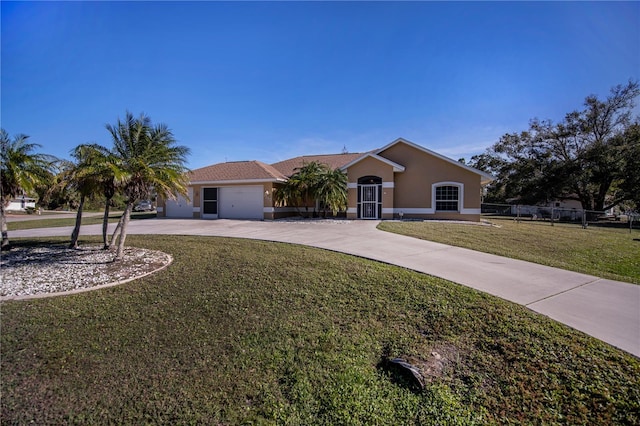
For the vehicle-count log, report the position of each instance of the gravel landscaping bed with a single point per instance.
(44, 270)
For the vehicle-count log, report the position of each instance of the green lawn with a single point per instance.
(612, 253)
(250, 332)
(53, 222)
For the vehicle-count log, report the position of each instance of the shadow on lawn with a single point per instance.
(42, 253)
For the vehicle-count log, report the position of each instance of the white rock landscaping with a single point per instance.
(42, 271)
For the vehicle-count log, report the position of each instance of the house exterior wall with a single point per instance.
(196, 201)
(161, 203)
(370, 167)
(267, 190)
(19, 204)
(413, 190)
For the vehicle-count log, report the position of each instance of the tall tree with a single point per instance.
(103, 168)
(69, 181)
(91, 172)
(494, 165)
(21, 170)
(149, 158)
(628, 186)
(582, 157)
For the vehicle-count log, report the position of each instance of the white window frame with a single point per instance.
(460, 187)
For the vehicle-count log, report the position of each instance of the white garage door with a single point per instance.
(180, 207)
(241, 202)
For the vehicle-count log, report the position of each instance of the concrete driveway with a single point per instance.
(605, 309)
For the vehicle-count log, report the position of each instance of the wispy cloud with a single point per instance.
(463, 150)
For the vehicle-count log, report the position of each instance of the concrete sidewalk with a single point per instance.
(605, 309)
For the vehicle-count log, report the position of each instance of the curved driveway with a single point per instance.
(605, 309)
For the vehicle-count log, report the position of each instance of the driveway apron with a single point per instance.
(605, 309)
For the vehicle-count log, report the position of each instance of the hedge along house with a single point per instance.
(402, 179)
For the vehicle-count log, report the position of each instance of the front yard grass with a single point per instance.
(54, 222)
(612, 253)
(250, 332)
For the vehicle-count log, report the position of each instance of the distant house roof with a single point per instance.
(236, 171)
(334, 161)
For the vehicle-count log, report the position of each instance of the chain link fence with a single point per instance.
(564, 215)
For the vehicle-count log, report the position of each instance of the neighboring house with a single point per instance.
(401, 179)
(21, 204)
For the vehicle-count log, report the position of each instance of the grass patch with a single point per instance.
(240, 331)
(54, 222)
(611, 253)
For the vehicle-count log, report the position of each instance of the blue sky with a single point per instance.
(272, 80)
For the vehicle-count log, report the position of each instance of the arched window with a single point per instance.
(447, 198)
(370, 180)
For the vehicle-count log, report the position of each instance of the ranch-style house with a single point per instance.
(400, 180)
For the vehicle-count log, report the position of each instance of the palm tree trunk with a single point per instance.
(3, 226)
(105, 225)
(76, 230)
(116, 232)
(123, 231)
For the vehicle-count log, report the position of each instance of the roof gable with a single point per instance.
(484, 177)
(396, 167)
(236, 171)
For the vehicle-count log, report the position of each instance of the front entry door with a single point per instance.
(369, 201)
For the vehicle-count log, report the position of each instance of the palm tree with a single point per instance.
(21, 170)
(288, 195)
(90, 173)
(332, 190)
(68, 181)
(311, 183)
(58, 190)
(149, 159)
(307, 179)
(102, 168)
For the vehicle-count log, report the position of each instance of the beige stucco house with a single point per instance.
(401, 179)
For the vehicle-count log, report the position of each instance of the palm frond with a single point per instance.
(21, 168)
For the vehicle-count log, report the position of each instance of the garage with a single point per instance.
(241, 202)
(180, 207)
